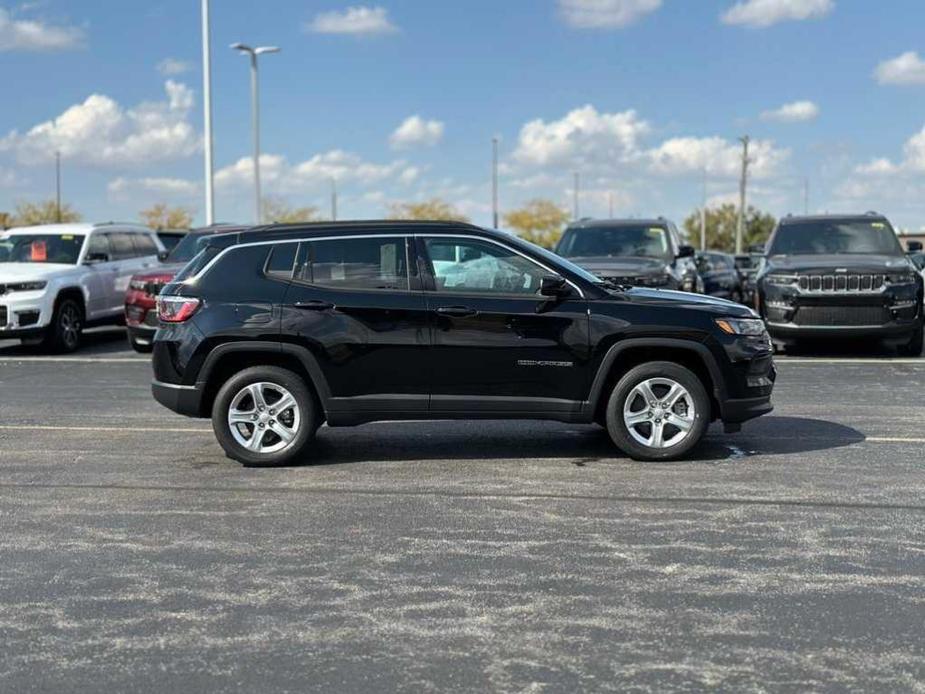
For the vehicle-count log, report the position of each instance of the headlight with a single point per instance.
(780, 279)
(741, 326)
(902, 278)
(26, 286)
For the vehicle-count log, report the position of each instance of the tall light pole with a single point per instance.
(743, 183)
(703, 213)
(207, 112)
(58, 187)
(255, 114)
(333, 199)
(610, 204)
(575, 190)
(494, 182)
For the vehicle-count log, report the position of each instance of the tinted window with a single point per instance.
(184, 251)
(615, 241)
(837, 236)
(99, 244)
(357, 263)
(40, 248)
(467, 265)
(122, 246)
(170, 241)
(281, 260)
(144, 245)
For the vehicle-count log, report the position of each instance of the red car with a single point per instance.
(140, 305)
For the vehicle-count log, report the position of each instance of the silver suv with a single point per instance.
(57, 279)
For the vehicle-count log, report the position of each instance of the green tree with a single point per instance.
(278, 211)
(540, 221)
(721, 227)
(162, 216)
(434, 209)
(43, 212)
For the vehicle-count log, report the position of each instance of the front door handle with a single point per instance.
(313, 305)
(457, 311)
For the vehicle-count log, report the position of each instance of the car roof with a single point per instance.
(598, 223)
(804, 218)
(274, 232)
(80, 228)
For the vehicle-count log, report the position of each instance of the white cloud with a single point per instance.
(282, 177)
(795, 112)
(415, 131)
(170, 187)
(720, 157)
(605, 14)
(913, 161)
(35, 35)
(904, 69)
(764, 13)
(100, 132)
(357, 21)
(170, 67)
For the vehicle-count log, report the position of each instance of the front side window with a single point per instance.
(641, 241)
(40, 248)
(122, 246)
(469, 265)
(835, 237)
(356, 263)
(144, 245)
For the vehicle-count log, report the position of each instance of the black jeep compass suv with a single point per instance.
(841, 277)
(271, 332)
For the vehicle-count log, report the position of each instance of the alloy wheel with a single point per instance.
(659, 413)
(264, 417)
(69, 325)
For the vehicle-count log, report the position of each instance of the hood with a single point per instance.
(833, 263)
(25, 272)
(626, 266)
(712, 304)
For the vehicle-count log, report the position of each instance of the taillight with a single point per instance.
(176, 309)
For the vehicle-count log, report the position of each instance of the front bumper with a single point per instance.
(23, 313)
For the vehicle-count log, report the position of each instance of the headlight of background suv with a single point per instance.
(780, 279)
(741, 326)
(902, 278)
(26, 286)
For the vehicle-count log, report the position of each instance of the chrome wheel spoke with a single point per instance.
(645, 391)
(284, 433)
(675, 393)
(634, 418)
(256, 393)
(240, 417)
(658, 435)
(255, 443)
(683, 423)
(284, 403)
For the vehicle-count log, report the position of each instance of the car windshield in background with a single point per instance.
(187, 249)
(557, 259)
(40, 248)
(836, 237)
(619, 241)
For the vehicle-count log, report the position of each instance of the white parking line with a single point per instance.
(79, 360)
(126, 430)
(835, 360)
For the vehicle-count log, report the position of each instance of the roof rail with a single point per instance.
(872, 213)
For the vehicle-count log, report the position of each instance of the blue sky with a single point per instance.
(639, 95)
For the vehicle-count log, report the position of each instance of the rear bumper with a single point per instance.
(183, 400)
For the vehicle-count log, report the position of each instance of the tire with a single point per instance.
(140, 347)
(236, 396)
(63, 334)
(913, 348)
(658, 378)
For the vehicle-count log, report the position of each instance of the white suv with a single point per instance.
(58, 278)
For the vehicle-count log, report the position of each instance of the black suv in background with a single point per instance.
(843, 277)
(721, 276)
(632, 252)
(273, 331)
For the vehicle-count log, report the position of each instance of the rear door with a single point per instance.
(101, 275)
(498, 345)
(356, 303)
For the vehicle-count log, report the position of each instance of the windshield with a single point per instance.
(641, 241)
(40, 248)
(188, 247)
(836, 237)
(559, 260)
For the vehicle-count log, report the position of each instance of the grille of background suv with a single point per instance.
(842, 283)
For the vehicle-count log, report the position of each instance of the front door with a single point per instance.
(354, 303)
(498, 345)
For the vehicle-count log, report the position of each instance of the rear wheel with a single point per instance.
(913, 348)
(64, 332)
(265, 416)
(658, 411)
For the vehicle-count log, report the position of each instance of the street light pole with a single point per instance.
(575, 193)
(58, 187)
(743, 185)
(207, 112)
(333, 199)
(255, 115)
(494, 181)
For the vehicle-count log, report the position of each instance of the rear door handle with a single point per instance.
(313, 305)
(457, 311)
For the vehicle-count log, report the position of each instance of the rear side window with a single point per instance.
(144, 245)
(356, 263)
(281, 261)
(199, 261)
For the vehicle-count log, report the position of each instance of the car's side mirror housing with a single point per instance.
(554, 287)
(913, 246)
(95, 258)
(756, 249)
(162, 256)
(686, 251)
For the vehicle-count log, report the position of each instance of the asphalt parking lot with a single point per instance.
(518, 556)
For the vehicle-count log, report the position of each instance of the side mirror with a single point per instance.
(756, 249)
(554, 287)
(94, 258)
(162, 256)
(686, 251)
(913, 246)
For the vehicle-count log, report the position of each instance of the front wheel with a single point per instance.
(265, 416)
(658, 411)
(64, 333)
